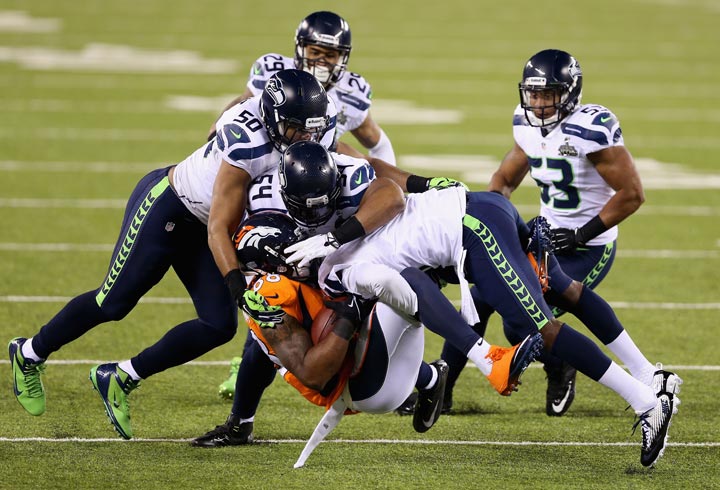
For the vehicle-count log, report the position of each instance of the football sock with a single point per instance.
(29, 353)
(639, 395)
(628, 353)
(478, 355)
(128, 368)
(255, 373)
(437, 313)
(180, 344)
(427, 377)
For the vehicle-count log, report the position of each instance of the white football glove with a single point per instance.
(315, 247)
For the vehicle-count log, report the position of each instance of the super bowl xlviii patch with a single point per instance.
(567, 150)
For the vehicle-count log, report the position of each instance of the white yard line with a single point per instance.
(423, 442)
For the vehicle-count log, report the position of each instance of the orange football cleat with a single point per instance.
(510, 362)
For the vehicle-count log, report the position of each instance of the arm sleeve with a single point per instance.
(383, 149)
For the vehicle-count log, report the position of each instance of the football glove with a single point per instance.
(445, 183)
(257, 308)
(564, 241)
(315, 247)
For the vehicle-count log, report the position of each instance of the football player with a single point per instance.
(323, 42)
(480, 234)
(325, 193)
(183, 217)
(280, 306)
(588, 185)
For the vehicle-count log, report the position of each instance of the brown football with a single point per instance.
(323, 324)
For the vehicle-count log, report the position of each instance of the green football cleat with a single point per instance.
(226, 389)
(27, 385)
(114, 385)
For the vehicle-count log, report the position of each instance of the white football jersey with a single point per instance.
(243, 142)
(356, 175)
(351, 93)
(427, 233)
(572, 191)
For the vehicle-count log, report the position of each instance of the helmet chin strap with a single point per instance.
(322, 73)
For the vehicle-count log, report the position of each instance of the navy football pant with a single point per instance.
(158, 232)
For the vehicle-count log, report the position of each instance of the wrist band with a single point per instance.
(349, 231)
(416, 184)
(590, 230)
(235, 281)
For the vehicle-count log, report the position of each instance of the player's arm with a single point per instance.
(381, 202)
(510, 174)
(244, 96)
(615, 165)
(313, 365)
(409, 182)
(226, 212)
(372, 137)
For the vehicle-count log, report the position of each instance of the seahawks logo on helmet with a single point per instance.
(574, 68)
(274, 88)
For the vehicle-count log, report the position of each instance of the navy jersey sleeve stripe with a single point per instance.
(586, 134)
(353, 101)
(251, 153)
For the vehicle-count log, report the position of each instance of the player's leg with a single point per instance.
(255, 373)
(514, 293)
(135, 267)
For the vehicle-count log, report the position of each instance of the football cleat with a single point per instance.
(408, 406)
(226, 389)
(561, 388)
(114, 385)
(429, 402)
(231, 433)
(667, 382)
(654, 425)
(27, 385)
(510, 362)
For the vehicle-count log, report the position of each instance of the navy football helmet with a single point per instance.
(328, 30)
(260, 241)
(293, 106)
(309, 183)
(556, 71)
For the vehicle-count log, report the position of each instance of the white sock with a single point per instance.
(639, 395)
(628, 353)
(243, 421)
(477, 356)
(128, 368)
(433, 380)
(29, 353)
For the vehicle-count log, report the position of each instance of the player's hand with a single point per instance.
(445, 183)
(564, 241)
(315, 247)
(350, 308)
(257, 307)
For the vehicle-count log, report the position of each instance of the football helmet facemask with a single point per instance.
(309, 183)
(555, 71)
(260, 241)
(328, 30)
(293, 107)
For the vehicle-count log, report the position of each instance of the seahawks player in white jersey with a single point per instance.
(323, 43)
(588, 184)
(181, 217)
(484, 238)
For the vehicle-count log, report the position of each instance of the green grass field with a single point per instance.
(93, 94)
